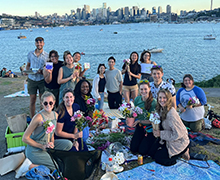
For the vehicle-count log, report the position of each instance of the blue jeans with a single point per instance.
(101, 102)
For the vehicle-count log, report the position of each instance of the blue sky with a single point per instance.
(46, 7)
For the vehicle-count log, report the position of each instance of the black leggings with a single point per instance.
(160, 154)
(140, 143)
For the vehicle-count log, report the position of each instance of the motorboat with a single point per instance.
(21, 37)
(155, 50)
(209, 37)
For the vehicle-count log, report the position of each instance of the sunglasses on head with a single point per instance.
(156, 66)
(144, 81)
(46, 103)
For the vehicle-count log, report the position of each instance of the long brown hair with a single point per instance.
(162, 111)
(61, 108)
(149, 100)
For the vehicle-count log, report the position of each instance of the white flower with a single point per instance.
(157, 121)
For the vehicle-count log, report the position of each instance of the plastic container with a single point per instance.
(14, 139)
(109, 165)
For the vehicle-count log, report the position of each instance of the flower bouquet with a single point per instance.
(127, 63)
(155, 120)
(49, 127)
(130, 112)
(100, 120)
(81, 121)
(193, 101)
(90, 103)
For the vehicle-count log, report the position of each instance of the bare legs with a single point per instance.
(128, 94)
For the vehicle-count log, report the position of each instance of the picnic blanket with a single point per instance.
(17, 94)
(179, 171)
(202, 139)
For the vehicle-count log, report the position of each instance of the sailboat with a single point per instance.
(210, 36)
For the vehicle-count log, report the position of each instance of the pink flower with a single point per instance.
(88, 101)
(73, 119)
(79, 115)
(50, 129)
(134, 115)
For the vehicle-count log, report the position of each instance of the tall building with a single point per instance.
(126, 11)
(154, 10)
(135, 11)
(159, 10)
(104, 6)
(87, 8)
(168, 9)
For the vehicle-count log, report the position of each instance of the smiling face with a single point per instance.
(69, 59)
(76, 57)
(146, 57)
(54, 58)
(111, 63)
(101, 69)
(162, 99)
(68, 99)
(48, 103)
(134, 57)
(144, 90)
(188, 82)
(157, 76)
(84, 88)
(39, 44)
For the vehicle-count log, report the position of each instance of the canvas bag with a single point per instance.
(17, 123)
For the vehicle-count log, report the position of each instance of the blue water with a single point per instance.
(185, 51)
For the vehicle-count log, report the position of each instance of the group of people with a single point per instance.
(64, 87)
(4, 73)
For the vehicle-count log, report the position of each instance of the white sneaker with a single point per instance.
(21, 171)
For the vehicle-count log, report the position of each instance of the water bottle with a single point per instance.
(109, 165)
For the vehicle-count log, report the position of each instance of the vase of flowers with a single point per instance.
(130, 112)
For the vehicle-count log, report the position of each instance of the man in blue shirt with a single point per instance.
(36, 61)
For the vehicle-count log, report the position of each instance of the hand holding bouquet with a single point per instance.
(192, 102)
(155, 120)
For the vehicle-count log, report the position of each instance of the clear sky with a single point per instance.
(46, 7)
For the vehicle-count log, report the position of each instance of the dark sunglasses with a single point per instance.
(46, 103)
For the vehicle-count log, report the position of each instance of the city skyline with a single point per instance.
(28, 8)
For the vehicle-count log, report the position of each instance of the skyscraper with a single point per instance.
(154, 10)
(87, 8)
(159, 10)
(168, 9)
(104, 5)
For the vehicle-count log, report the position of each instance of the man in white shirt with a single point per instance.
(113, 84)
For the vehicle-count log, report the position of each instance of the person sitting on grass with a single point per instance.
(173, 140)
(141, 143)
(39, 135)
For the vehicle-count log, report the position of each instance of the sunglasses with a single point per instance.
(156, 66)
(144, 81)
(46, 103)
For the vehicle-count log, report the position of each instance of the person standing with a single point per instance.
(76, 58)
(36, 61)
(50, 75)
(113, 84)
(158, 83)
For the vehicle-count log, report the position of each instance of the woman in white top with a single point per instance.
(146, 65)
(98, 86)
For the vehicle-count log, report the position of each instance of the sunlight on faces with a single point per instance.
(162, 99)
(146, 56)
(188, 82)
(69, 59)
(157, 75)
(39, 44)
(144, 90)
(84, 88)
(111, 63)
(68, 99)
(47, 103)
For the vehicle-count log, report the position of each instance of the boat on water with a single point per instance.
(82, 53)
(21, 37)
(155, 50)
(209, 37)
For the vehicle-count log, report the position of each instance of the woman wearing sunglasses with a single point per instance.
(132, 72)
(146, 65)
(66, 129)
(143, 138)
(173, 140)
(39, 135)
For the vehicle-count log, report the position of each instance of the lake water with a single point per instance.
(185, 51)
